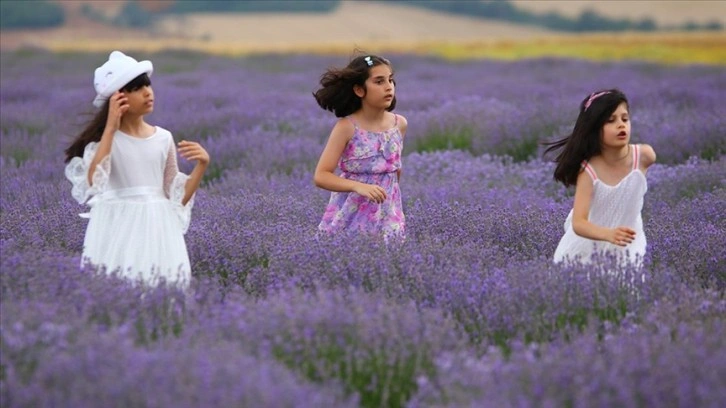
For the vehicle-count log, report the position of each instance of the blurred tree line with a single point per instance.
(136, 13)
(16, 14)
(195, 6)
(19, 14)
(587, 21)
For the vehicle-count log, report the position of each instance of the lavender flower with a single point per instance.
(468, 311)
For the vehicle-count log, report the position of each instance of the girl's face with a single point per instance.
(379, 87)
(141, 101)
(616, 130)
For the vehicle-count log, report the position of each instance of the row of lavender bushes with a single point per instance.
(468, 311)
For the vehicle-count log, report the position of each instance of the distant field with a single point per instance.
(668, 12)
(662, 48)
(386, 28)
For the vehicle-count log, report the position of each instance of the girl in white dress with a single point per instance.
(609, 178)
(126, 170)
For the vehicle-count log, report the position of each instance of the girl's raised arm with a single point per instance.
(117, 106)
(195, 152)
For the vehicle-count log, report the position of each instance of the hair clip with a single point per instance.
(368, 61)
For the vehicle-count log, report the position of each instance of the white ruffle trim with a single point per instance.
(77, 173)
(176, 195)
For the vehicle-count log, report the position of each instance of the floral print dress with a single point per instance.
(371, 158)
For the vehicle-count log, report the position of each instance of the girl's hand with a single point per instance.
(118, 104)
(373, 192)
(621, 236)
(193, 151)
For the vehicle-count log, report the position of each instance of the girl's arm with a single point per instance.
(193, 151)
(402, 126)
(117, 106)
(581, 224)
(325, 176)
(647, 157)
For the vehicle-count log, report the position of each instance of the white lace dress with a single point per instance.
(611, 206)
(137, 222)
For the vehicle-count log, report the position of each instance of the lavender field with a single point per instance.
(469, 311)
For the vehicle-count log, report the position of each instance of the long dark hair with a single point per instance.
(337, 95)
(94, 129)
(584, 141)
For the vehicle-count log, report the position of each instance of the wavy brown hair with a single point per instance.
(336, 94)
(584, 141)
(94, 129)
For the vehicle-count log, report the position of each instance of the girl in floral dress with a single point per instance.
(126, 170)
(365, 144)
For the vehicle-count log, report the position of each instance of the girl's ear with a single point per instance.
(359, 91)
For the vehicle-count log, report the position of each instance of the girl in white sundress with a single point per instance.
(126, 170)
(608, 173)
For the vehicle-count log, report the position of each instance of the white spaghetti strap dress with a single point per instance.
(137, 222)
(611, 206)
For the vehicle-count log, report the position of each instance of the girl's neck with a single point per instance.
(615, 156)
(370, 115)
(135, 126)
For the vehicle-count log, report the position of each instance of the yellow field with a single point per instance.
(662, 48)
(680, 48)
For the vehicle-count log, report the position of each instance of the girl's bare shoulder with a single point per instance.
(343, 128)
(647, 155)
(402, 123)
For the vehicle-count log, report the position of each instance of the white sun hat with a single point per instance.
(119, 70)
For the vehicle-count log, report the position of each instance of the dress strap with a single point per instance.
(636, 157)
(350, 118)
(589, 170)
(395, 120)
